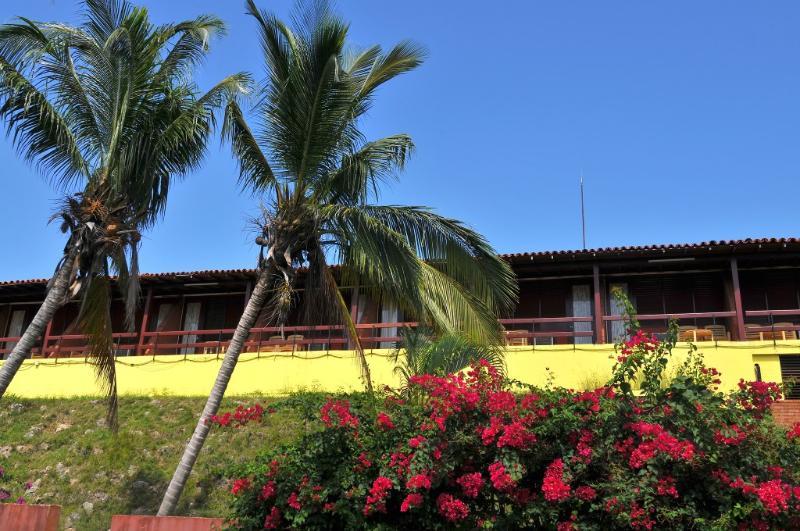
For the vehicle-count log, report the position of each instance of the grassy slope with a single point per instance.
(125, 473)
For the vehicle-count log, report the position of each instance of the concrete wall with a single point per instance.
(576, 366)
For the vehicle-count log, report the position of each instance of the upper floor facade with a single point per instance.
(717, 291)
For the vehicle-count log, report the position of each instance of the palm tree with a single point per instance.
(319, 176)
(423, 352)
(107, 108)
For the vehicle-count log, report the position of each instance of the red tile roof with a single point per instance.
(712, 245)
(748, 244)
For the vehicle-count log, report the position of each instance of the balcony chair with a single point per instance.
(785, 334)
(750, 333)
(686, 333)
(294, 341)
(719, 332)
(515, 339)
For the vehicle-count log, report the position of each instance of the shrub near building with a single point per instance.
(476, 451)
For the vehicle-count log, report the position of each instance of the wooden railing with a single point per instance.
(519, 331)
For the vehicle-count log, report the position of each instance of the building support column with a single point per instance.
(737, 301)
(145, 321)
(599, 326)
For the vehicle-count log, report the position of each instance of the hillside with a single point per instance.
(63, 448)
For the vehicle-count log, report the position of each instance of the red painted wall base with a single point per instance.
(22, 517)
(164, 523)
(786, 412)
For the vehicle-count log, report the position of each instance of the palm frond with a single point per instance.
(349, 325)
(360, 173)
(103, 17)
(452, 308)
(375, 254)
(450, 246)
(40, 133)
(95, 321)
(255, 171)
(190, 47)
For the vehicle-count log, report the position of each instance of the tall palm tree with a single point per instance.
(319, 176)
(107, 108)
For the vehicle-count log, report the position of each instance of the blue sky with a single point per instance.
(682, 115)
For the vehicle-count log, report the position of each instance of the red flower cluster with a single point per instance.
(501, 480)
(239, 417)
(412, 500)
(376, 501)
(268, 491)
(774, 495)
(585, 493)
(273, 519)
(666, 487)
(757, 396)
(731, 435)
(639, 341)
(451, 508)
(794, 433)
(384, 421)
(471, 484)
(415, 442)
(657, 441)
(341, 410)
(419, 481)
(553, 485)
(240, 485)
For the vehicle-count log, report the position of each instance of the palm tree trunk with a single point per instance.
(52, 302)
(246, 322)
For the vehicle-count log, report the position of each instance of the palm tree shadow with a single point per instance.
(144, 491)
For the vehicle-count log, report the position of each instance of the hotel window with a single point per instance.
(790, 374)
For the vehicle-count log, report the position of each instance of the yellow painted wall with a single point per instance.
(578, 366)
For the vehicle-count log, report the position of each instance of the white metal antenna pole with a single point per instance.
(583, 215)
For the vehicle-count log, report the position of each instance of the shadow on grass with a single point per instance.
(144, 491)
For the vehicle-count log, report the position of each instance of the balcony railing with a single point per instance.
(760, 324)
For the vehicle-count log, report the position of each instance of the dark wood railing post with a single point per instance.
(353, 317)
(145, 321)
(737, 301)
(599, 324)
(46, 338)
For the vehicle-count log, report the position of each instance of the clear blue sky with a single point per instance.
(684, 117)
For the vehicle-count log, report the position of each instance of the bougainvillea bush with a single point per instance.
(474, 451)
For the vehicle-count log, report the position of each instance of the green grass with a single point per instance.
(63, 444)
